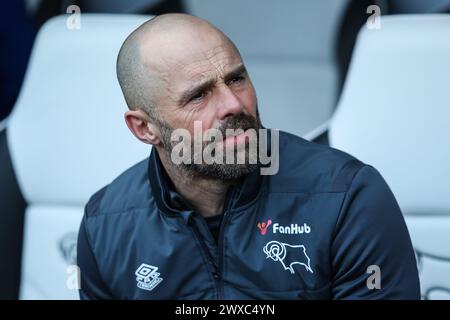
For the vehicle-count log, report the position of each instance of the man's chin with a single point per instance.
(223, 172)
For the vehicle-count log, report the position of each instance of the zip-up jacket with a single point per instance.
(326, 226)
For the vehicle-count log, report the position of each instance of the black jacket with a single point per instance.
(326, 226)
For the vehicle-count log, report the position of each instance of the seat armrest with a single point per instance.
(318, 134)
(3, 124)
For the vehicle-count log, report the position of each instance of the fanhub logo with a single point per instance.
(292, 229)
(263, 226)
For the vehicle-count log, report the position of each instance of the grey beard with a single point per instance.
(223, 172)
(217, 171)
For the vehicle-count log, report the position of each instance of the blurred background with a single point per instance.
(368, 77)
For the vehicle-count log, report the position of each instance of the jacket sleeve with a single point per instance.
(372, 254)
(92, 285)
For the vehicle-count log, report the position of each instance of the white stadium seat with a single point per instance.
(289, 50)
(67, 138)
(394, 114)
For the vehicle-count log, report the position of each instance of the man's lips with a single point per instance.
(233, 140)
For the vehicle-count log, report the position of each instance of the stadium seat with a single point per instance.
(66, 139)
(289, 50)
(394, 114)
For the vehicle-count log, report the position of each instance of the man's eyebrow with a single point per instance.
(236, 72)
(207, 84)
(196, 89)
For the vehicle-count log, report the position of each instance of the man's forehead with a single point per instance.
(206, 73)
(191, 66)
(181, 56)
(214, 62)
(190, 53)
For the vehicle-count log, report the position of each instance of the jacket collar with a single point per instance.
(172, 203)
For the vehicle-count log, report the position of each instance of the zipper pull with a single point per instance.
(187, 216)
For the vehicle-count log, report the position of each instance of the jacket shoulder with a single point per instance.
(309, 167)
(131, 189)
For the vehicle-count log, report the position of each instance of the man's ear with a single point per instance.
(142, 127)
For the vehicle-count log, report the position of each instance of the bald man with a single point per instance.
(290, 220)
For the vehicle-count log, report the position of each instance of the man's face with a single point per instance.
(205, 80)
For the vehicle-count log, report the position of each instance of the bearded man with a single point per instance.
(291, 220)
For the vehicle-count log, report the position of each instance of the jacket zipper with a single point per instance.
(212, 265)
(220, 245)
(216, 269)
(220, 255)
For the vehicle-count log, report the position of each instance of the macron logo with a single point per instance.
(292, 229)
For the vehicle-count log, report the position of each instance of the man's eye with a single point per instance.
(236, 80)
(198, 96)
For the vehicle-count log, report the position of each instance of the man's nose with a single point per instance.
(229, 103)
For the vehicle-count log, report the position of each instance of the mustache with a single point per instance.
(240, 121)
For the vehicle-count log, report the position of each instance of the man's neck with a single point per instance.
(207, 196)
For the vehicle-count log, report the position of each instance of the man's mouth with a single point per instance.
(237, 137)
(234, 133)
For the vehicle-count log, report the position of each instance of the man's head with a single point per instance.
(177, 69)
